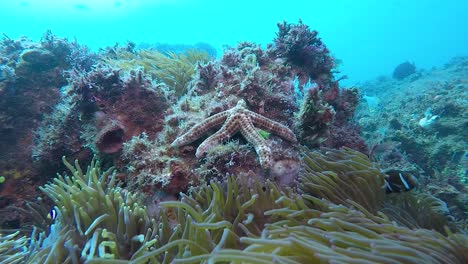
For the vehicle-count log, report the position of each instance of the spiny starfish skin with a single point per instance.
(234, 120)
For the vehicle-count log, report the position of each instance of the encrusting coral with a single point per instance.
(31, 76)
(134, 91)
(237, 119)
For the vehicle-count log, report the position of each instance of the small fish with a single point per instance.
(52, 214)
(397, 181)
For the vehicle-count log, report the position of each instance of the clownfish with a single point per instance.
(52, 214)
(397, 181)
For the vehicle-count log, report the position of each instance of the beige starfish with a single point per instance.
(237, 119)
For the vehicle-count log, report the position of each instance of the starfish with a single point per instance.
(236, 119)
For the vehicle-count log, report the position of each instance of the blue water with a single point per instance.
(371, 37)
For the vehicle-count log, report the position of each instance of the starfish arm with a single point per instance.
(225, 132)
(272, 126)
(253, 137)
(237, 119)
(198, 130)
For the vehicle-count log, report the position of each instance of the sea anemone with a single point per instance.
(343, 176)
(240, 220)
(95, 219)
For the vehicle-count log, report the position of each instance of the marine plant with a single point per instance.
(173, 69)
(302, 47)
(314, 119)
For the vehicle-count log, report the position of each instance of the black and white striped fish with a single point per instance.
(397, 181)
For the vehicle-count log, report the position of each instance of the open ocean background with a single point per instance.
(370, 37)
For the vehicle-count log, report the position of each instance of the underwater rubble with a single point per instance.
(258, 156)
(418, 125)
